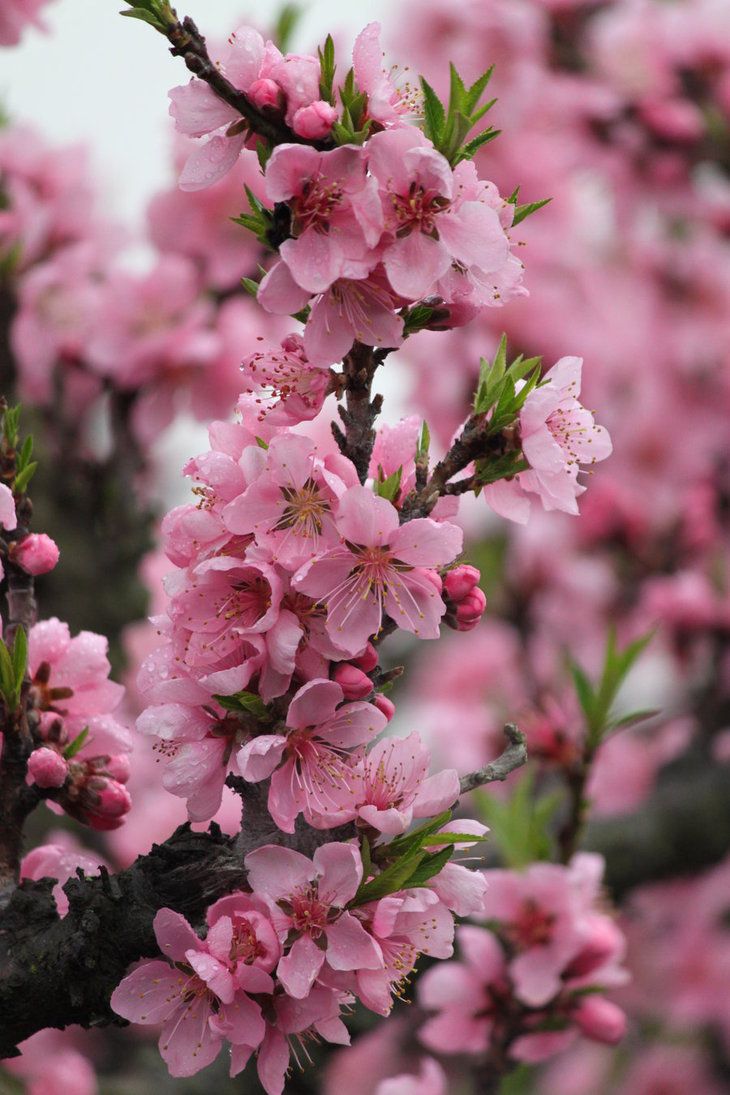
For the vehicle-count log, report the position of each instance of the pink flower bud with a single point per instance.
(470, 611)
(600, 1020)
(47, 768)
(353, 682)
(460, 581)
(111, 803)
(118, 767)
(314, 121)
(266, 93)
(604, 941)
(368, 660)
(384, 705)
(36, 553)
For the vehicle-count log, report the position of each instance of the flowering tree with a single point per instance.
(317, 543)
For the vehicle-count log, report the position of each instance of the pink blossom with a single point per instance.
(290, 507)
(308, 897)
(54, 1062)
(431, 1080)
(199, 112)
(336, 214)
(311, 765)
(405, 925)
(386, 103)
(558, 435)
(354, 307)
(393, 786)
(16, 16)
(197, 1001)
(60, 858)
(287, 387)
(429, 228)
(379, 569)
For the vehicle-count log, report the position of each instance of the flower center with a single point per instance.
(308, 913)
(316, 204)
(304, 510)
(417, 210)
(533, 928)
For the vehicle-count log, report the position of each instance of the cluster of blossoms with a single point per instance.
(282, 962)
(372, 227)
(529, 982)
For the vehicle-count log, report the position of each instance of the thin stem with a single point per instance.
(514, 756)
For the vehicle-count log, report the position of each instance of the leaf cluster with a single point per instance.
(502, 389)
(523, 211)
(520, 825)
(448, 128)
(25, 466)
(597, 699)
(158, 13)
(260, 220)
(13, 664)
(353, 126)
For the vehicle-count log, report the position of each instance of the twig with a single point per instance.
(514, 756)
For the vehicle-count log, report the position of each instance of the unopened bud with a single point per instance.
(118, 767)
(368, 660)
(266, 93)
(603, 942)
(36, 553)
(314, 121)
(110, 805)
(355, 684)
(470, 611)
(47, 768)
(600, 1020)
(460, 581)
(384, 705)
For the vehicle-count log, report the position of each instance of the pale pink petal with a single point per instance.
(414, 264)
(427, 543)
(8, 518)
(475, 237)
(210, 162)
(313, 704)
(197, 109)
(174, 935)
(298, 970)
(280, 294)
(273, 1061)
(258, 758)
(365, 518)
(315, 260)
(276, 872)
(350, 947)
(187, 1043)
(437, 793)
(149, 993)
(340, 868)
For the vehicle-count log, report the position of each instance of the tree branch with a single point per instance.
(514, 756)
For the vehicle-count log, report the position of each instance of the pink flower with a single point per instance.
(8, 518)
(431, 1080)
(53, 1062)
(69, 681)
(354, 307)
(405, 925)
(311, 764)
(197, 1000)
(335, 211)
(199, 112)
(308, 898)
(218, 615)
(36, 553)
(600, 1020)
(386, 104)
(16, 16)
(393, 786)
(429, 227)
(60, 859)
(379, 569)
(558, 435)
(287, 386)
(290, 507)
(298, 77)
(465, 994)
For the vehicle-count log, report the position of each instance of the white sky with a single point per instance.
(102, 79)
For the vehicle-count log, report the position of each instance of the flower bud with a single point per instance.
(603, 942)
(36, 553)
(368, 660)
(384, 705)
(470, 611)
(118, 767)
(109, 804)
(47, 768)
(600, 1020)
(314, 121)
(266, 93)
(460, 581)
(353, 682)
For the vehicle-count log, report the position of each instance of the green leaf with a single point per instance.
(393, 878)
(424, 441)
(23, 478)
(327, 70)
(19, 659)
(251, 286)
(417, 837)
(632, 719)
(77, 744)
(473, 146)
(388, 487)
(454, 838)
(597, 700)
(524, 211)
(430, 866)
(285, 26)
(477, 89)
(245, 701)
(434, 114)
(520, 825)
(7, 676)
